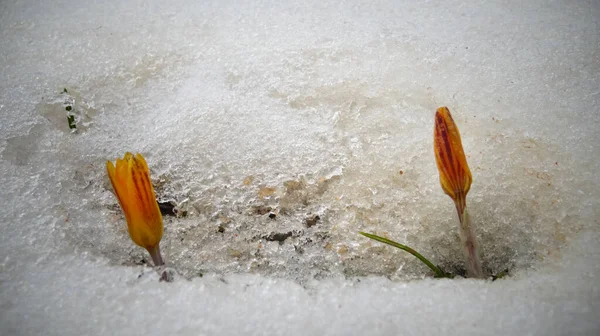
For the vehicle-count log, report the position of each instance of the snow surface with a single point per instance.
(292, 110)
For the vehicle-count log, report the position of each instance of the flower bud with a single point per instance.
(455, 176)
(131, 181)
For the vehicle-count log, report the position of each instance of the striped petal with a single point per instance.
(131, 181)
(455, 176)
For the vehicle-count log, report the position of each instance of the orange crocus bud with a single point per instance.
(131, 182)
(455, 176)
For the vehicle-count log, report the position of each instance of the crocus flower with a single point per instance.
(455, 178)
(131, 182)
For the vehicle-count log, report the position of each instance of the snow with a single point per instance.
(247, 111)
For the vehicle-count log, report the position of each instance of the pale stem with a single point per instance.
(470, 245)
(158, 261)
(155, 254)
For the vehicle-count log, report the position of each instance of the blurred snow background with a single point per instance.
(281, 129)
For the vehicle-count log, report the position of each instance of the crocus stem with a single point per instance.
(470, 245)
(156, 257)
(158, 261)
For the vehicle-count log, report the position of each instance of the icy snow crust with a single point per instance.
(280, 130)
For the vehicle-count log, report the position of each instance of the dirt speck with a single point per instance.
(260, 210)
(266, 192)
(278, 236)
(248, 180)
(312, 220)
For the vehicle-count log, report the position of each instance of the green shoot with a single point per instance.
(71, 121)
(438, 272)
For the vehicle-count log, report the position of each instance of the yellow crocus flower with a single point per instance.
(131, 181)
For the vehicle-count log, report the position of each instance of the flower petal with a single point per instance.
(455, 176)
(131, 181)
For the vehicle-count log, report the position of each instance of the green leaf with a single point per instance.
(71, 121)
(438, 272)
(500, 275)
